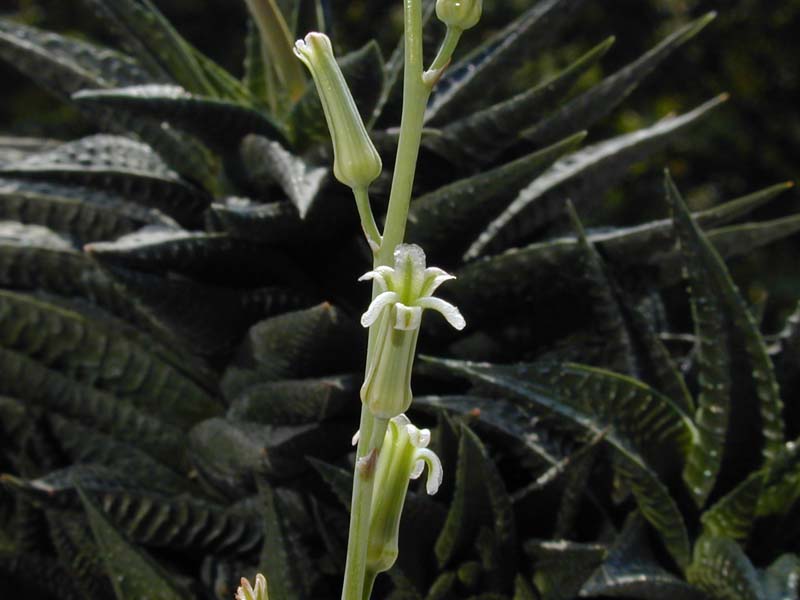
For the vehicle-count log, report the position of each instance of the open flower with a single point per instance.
(402, 457)
(406, 290)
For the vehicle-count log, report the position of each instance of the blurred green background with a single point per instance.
(750, 51)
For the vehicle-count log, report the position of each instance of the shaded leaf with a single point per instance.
(133, 574)
(97, 353)
(721, 569)
(575, 394)
(302, 183)
(715, 303)
(732, 516)
(781, 581)
(276, 560)
(273, 223)
(562, 566)
(220, 124)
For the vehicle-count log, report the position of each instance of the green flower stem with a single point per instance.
(372, 431)
(444, 55)
(368, 223)
(415, 97)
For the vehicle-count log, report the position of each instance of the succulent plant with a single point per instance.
(179, 344)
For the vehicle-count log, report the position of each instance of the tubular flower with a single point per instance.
(406, 290)
(356, 162)
(459, 14)
(402, 457)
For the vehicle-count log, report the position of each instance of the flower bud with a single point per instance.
(356, 162)
(459, 14)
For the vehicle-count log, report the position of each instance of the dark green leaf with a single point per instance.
(481, 136)
(715, 302)
(96, 353)
(339, 480)
(732, 516)
(294, 402)
(218, 123)
(581, 176)
(635, 419)
(28, 380)
(583, 111)
(721, 569)
(781, 581)
(276, 562)
(133, 574)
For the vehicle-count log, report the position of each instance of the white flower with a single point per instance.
(409, 287)
(406, 290)
(403, 456)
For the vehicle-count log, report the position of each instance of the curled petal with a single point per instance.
(356, 437)
(420, 438)
(419, 467)
(435, 471)
(401, 420)
(434, 277)
(448, 311)
(374, 309)
(382, 275)
(408, 317)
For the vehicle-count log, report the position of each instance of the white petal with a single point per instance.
(382, 275)
(356, 437)
(374, 309)
(420, 438)
(401, 420)
(409, 269)
(434, 277)
(435, 472)
(408, 318)
(448, 311)
(419, 467)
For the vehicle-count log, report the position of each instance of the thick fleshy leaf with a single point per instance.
(445, 220)
(782, 482)
(230, 454)
(65, 65)
(97, 353)
(597, 401)
(363, 71)
(470, 507)
(297, 401)
(126, 167)
(582, 177)
(313, 342)
(481, 136)
(256, 77)
(84, 213)
(37, 576)
(721, 569)
(716, 302)
(219, 124)
(732, 516)
(582, 112)
(132, 573)
(267, 159)
(273, 223)
(467, 80)
(277, 560)
(28, 380)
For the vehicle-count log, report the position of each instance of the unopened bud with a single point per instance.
(356, 162)
(459, 14)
